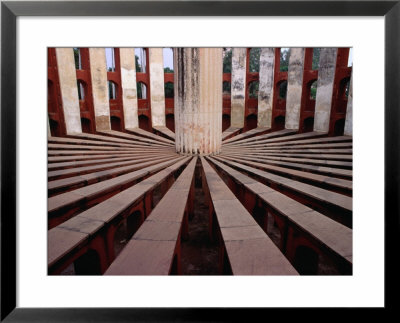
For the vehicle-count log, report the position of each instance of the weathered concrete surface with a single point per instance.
(48, 128)
(98, 72)
(69, 90)
(266, 87)
(157, 87)
(348, 125)
(198, 100)
(326, 77)
(294, 88)
(128, 83)
(238, 87)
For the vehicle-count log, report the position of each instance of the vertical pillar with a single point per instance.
(238, 87)
(348, 125)
(266, 87)
(294, 88)
(48, 128)
(101, 103)
(198, 100)
(128, 84)
(326, 77)
(69, 90)
(157, 95)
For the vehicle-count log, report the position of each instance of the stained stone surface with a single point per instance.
(198, 100)
(98, 72)
(69, 89)
(326, 77)
(294, 88)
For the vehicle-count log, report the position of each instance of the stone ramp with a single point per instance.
(245, 247)
(295, 221)
(155, 248)
(95, 228)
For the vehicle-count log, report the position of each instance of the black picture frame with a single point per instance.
(10, 10)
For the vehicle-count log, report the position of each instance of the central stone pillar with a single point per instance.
(198, 100)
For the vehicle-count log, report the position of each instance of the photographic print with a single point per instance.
(200, 161)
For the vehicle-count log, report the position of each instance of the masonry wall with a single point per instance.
(331, 111)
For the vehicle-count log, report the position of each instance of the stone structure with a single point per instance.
(157, 87)
(326, 75)
(152, 111)
(294, 88)
(101, 104)
(129, 91)
(348, 126)
(69, 89)
(121, 202)
(266, 87)
(198, 100)
(238, 87)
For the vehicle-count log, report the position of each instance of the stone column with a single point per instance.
(326, 78)
(69, 90)
(198, 100)
(266, 87)
(157, 96)
(238, 87)
(348, 124)
(294, 88)
(98, 70)
(128, 83)
(48, 128)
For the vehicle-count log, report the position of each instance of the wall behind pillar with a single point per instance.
(128, 83)
(266, 87)
(69, 89)
(101, 103)
(294, 88)
(348, 125)
(157, 95)
(238, 87)
(326, 77)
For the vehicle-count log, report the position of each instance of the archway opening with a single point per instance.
(144, 122)
(115, 123)
(226, 88)
(170, 122)
(54, 128)
(253, 90)
(141, 91)
(112, 90)
(81, 90)
(86, 125)
(251, 122)
(226, 122)
(279, 123)
(339, 127)
(169, 90)
(308, 124)
(313, 90)
(282, 90)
